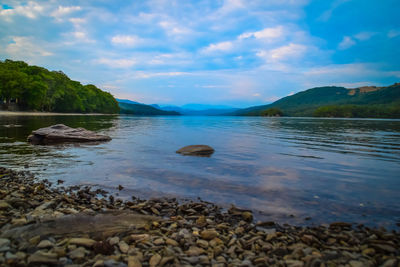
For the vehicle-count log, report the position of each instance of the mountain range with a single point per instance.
(329, 101)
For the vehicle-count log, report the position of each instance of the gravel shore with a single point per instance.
(51, 225)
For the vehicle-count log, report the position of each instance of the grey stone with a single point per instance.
(61, 133)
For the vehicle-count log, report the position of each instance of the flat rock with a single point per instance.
(61, 133)
(196, 150)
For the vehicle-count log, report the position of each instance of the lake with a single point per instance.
(291, 170)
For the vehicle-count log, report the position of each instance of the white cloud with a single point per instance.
(62, 11)
(117, 63)
(282, 53)
(31, 10)
(126, 40)
(326, 15)
(146, 75)
(24, 47)
(173, 28)
(346, 43)
(267, 33)
(364, 36)
(393, 33)
(219, 47)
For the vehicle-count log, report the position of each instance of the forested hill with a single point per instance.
(34, 88)
(368, 101)
(142, 109)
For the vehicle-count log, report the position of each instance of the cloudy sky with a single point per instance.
(230, 52)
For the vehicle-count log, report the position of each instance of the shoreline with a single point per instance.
(31, 113)
(54, 225)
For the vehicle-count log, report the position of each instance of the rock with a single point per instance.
(4, 205)
(354, 263)
(202, 243)
(123, 246)
(61, 133)
(209, 234)
(114, 240)
(155, 260)
(195, 251)
(4, 242)
(45, 244)
(86, 242)
(171, 242)
(77, 254)
(158, 242)
(196, 150)
(247, 216)
(40, 257)
(133, 261)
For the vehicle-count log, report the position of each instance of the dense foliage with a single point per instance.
(141, 109)
(358, 111)
(272, 112)
(383, 102)
(36, 88)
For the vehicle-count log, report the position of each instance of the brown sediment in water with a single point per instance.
(45, 225)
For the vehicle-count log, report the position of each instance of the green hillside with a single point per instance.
(33, 88)
(141, 109)
(358, 102)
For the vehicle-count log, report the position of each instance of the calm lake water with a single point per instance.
(285, 169)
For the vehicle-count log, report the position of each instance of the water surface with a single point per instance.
(285, 169)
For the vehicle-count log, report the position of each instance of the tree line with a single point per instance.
(35, 88)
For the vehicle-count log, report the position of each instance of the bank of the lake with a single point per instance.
(44, 224)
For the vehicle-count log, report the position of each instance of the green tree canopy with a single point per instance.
(36, 88)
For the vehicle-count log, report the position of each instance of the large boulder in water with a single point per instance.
(196, 150)
(61, 133)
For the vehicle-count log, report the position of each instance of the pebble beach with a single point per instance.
(44, 224)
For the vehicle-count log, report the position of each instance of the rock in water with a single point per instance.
(61, 133)
(196, 150)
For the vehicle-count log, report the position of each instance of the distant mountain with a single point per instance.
(142, 109)
(200, 109)
(127, 101)
(305, 103)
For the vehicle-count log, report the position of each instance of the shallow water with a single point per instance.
(285, 169)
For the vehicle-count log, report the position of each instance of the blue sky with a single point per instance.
(229, 52)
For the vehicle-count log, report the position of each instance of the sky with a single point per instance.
(219, 52)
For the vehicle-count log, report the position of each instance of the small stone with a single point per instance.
(171, 242)
(166, 260)
(77, 254)
(4, 242)
(195, 251)
(154, 260)
(158, 242)
(20, 221)
(45, 244)
(209, 234)
(99, 263)
(86, 242)
(4, 205)
(114, 240)
(202, 243)
(368, 251)
(389, 263)
(123, 246)
(139, 237)
(294, 263)
(201, 221)
(133, 261)
(34, 240)
(40, 257)
(247, 216)
(356, 264)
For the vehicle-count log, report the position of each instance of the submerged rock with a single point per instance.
(61, 133)
(196, 150)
